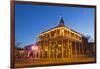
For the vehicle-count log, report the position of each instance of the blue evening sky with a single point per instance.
(31, 20)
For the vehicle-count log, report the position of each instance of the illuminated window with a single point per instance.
(59, 45)
(62, 30)
(65, 32)
(46, 49)
(52, 33)
(58, 32)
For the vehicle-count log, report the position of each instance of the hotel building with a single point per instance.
(62, 42)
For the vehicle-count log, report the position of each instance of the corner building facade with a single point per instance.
(62, 42)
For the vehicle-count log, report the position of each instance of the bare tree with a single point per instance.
(18, 44)
(90, 39)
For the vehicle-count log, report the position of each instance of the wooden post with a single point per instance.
(66, 48)
(82, 49)
(70, 49)
(79, 49)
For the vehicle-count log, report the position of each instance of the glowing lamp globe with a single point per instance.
(34, 48)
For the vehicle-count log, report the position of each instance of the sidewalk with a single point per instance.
(39, 62)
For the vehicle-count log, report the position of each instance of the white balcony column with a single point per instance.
(75, 49)
(62, 49)
(56, 53)
(35, 54)
(68, 54)
(49, 50)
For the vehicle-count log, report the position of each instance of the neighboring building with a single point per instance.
(19, 52)
(91, 50)
(62, 42)
(32, 50)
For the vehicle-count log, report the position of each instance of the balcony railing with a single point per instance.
(61, 37)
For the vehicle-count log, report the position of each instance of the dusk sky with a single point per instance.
(31, 20)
